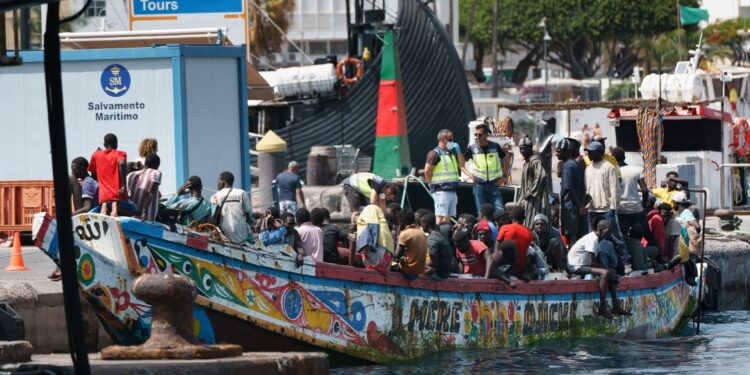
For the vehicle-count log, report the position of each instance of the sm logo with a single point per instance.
(115, 80)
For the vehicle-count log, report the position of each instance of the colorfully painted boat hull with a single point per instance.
(258, 298)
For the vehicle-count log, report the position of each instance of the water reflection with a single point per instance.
(722, 348)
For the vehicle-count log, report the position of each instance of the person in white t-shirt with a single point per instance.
(235, 209)
(582, 261)
(633, 197)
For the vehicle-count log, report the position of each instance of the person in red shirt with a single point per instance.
(518, 233)
(472, 254)
(109, 168)
(656, 224)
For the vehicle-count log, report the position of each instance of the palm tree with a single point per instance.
(670, 48)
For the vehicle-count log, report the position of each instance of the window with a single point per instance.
(318, 47)
(339, 48)
(98, 8)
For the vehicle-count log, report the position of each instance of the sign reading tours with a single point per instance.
(115, 82)
(162, 7)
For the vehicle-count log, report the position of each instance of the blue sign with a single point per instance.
(161, 7)
(115, 80)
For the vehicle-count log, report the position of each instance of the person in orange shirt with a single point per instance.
(411, 253)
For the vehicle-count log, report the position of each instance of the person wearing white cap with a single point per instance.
(534, 189)
(603, 186)
(606, 157)
(689, 242)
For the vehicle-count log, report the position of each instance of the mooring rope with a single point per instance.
(648, 124)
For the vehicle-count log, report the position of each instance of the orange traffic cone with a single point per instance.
(16, 258)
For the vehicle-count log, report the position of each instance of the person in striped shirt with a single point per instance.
(143, 188)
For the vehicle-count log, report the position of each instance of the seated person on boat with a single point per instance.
(234, 209)
(189, 203)
(582, 261)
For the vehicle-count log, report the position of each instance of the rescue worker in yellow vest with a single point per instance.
(486, 167)
(442, 172)
(362, 189)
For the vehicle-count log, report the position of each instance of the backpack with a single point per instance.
(216, 217)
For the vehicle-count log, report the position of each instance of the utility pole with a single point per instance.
(495, 16)
(546, 38)
(469, 24)
(25, 29)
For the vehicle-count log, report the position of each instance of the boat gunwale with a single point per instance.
(396, 279)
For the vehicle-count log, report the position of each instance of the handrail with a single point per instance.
(703, 250)
(721, 182)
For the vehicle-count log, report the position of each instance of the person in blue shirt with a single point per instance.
(487, 212)
(289, 185)
(190, 203)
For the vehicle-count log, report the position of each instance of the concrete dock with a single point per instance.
(248, 363)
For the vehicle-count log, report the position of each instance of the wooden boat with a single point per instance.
(256, 297)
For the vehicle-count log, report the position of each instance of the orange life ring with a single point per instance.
(340, 71)
(741, 137)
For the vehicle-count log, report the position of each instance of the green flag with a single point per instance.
(691, 16)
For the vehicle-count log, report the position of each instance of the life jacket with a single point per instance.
(445, 175)
(486, 166)
(361, 183)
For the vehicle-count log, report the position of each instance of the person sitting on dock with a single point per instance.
(189, 202)
(364, 188)
(486, 171)
(472, 254)
(442, 172)
(109, 168)
(440, 254)
(308, 227)
(234, 209)
(518, 233)
(289, 186)
(411, 253)
(582, 261)
(143, 188)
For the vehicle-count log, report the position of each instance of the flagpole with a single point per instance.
(679, 27)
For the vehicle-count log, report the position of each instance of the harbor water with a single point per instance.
(723, 347)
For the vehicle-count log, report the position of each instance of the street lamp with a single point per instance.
(546, 38)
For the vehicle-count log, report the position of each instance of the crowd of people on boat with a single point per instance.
(605, 223)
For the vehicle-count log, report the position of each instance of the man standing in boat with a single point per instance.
(486, 168)
(109, 168)
(582, 261)
(534, 189)
(572, 191)
(603, 186)
(364, 188)
(442, 172)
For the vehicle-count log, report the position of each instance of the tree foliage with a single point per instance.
(265, 38)
(726, 34)
(586, 34)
